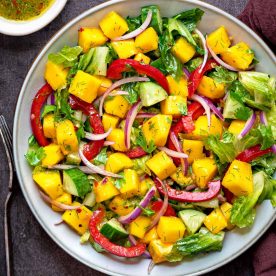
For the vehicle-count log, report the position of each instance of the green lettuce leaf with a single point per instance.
(139, 165)
(190, 18)
(224, 149)
(48, 109)
(222, 75)
(67, 56)
(193, 64)
(271, 119)
(35, 153)
(243, 211)
(101, 158)
(201, 242)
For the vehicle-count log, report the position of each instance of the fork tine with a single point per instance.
(4, 123)
(6, 136)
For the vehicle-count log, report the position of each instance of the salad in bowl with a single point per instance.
(152, 139)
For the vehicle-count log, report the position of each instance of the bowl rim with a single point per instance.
(25, 27)
(51, 41)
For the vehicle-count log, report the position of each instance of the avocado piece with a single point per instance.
(151, 93)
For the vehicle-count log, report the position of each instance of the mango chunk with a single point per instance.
(157, 129)
(117, 136)
(194, 149)
(183, 50)
(147, 41)
(142, 58)
(178, 87)
(170, 229)
(150, 235)
(239, 56)
(91, 37)
(202, 130)
(159, 250)
(66, 137)
(113, 25)
(236, 127)
(209, 88)
(49, 181)
(117, 162)
(49, 128)
(226, 211)
(238, 178)
(131, 183)
(79, 219)
(84, 86)
(109, 121)
(204, 170)
(162, 165)
(65, 198)
(105, 189)
(53, 155)
(125, 48)
(121, 206)
(174, 105)
(105, 83)
(55, 75)
(218, 40)
(139, 226)
(180, 178)
(144, 186)
(215, 221)
(117, 106)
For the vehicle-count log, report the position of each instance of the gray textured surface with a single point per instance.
(34, 252)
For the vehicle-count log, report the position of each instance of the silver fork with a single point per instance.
(6, 136)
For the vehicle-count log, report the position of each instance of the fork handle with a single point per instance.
(7, 235)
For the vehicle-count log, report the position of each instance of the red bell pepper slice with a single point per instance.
(119, 66)
(183, 196)
(252, 153)
(93, 148)
(196, 76)
(156, 206)
(128, 252)
(40, 98)
(185, 124)
(136, 153)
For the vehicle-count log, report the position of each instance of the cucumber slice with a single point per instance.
(73, 158)
(98, 64)
(213, 203)
(151, 93)
(76, 183)
(156, 20)
(114, 230)
(192, 219)
(90, 199)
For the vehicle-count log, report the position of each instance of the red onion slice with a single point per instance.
(163, 208)
(203, 42)
(205, 105)
(58, 204)
(263, 120)
(68, 167)
(138, 30)
(172, 153)
(186, 72)
(108, 143)
(131, 115)
(249, 124)
(214, 108)
(117, 84)
(59, 223)
(97, 137)
(138, 210)
(220, 61)
(117, 93)
(96, 169)
(142, 115)
(177, 145)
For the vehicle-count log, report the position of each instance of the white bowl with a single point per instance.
(236, 241)
(19, 28)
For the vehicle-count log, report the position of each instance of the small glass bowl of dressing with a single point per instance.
(18, 18)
